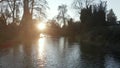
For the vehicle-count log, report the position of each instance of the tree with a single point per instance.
(80, 4)
(93, 16)
(37, 8)
(111, 17)
(53, 28)
(23, 11)
(13, 9)
(31, 8)
(62, 15)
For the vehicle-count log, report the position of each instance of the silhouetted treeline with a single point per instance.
(14, 23)
(96, 25)
(7, 31)
(53, 28)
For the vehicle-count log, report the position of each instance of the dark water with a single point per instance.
(53, 53)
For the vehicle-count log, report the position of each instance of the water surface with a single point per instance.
(53, 53)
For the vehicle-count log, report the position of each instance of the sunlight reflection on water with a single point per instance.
(41, 45)
(41, 51)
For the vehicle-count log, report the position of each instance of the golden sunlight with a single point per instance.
(41, 51)
(41, 42)
(41, 26)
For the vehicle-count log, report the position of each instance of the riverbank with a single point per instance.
(103, 38)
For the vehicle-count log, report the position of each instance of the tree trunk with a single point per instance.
(26, 22)
(14, 11)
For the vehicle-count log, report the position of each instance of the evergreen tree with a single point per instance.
(111, 17)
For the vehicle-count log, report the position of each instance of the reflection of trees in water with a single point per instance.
(32, 56)
(58, 53)
(92, 60)
(92, 56)
(63, 43)
(18, 56)
(27, 60)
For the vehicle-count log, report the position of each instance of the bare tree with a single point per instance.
(38, 8)
(111, 17)
(31, 9)
(5, 13)
(62, 15)
(79, 4)
(12, 6)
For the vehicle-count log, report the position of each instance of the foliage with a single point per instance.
(53, 28)
(93, 16)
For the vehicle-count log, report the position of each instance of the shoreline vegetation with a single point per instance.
(93, 31)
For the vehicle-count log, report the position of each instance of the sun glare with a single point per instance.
(41, 26)
(41, 49)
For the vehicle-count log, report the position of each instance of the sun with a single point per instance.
(41, 26)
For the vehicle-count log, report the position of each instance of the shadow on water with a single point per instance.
(92, 60)
(88, 57)
(26, 49)
(92, 56)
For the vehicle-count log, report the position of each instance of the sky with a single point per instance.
(53, 5)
